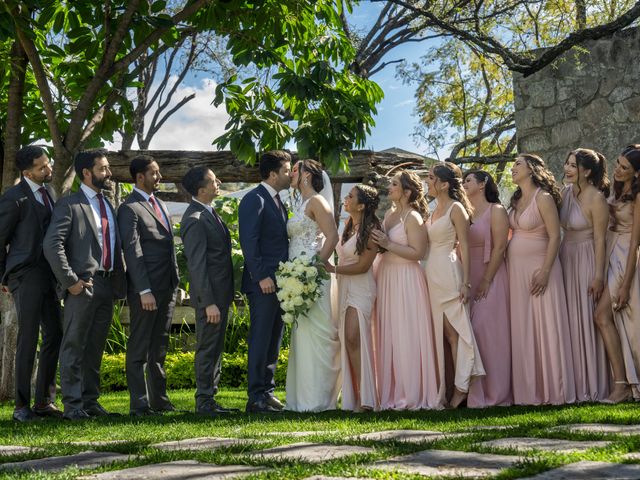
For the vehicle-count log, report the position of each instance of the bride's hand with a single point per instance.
(379, 237)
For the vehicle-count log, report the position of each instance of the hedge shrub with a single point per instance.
(181, 370)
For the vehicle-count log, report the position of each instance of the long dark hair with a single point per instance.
(595, 162)
(369, 197)
(541, 178)
(315, 169)
(451, 173)
(632, 154)
(491, 192)
(417, 199)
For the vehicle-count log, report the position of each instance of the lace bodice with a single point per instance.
(305, 238)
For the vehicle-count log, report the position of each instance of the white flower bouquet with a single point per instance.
(298, 286)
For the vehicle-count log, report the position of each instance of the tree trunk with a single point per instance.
(8, 333)
(14, 114)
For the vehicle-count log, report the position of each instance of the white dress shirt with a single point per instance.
(35, 188)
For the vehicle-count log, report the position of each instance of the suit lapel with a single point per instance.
(88, 213)
(149, 208)
(268, 199)
(218, 227)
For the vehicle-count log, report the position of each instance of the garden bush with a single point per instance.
(181, 370)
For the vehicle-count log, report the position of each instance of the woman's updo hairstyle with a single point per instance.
(315, 169)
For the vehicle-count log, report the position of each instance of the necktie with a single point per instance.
(45, 198)
(159, 214)
(276, 197)
(217, 217)
(106, 234)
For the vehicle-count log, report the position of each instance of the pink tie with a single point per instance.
(106, 234)
(159, 214)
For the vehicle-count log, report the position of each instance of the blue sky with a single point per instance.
(198, 122)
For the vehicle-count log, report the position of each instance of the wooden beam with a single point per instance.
(365, 164)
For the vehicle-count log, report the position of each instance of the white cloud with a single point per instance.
(194, 126)
(404, 103)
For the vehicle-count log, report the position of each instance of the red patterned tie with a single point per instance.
(106, 234)
(159, 214)
(45, 198)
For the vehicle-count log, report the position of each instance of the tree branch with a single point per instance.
(503, 126)
(483, 160)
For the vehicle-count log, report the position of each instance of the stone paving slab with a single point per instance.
(449, 463)
(81, 460)
(203, 443)
(409, 436)
(178, 470)
(631, 456)
(310, 452)
(600, 428)
(6, 450)
(591, 471)
(546, 444)
(301, 434)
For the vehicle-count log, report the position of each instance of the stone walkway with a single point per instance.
(426, 461)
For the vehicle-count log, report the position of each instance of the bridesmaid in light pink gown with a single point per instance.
(542, 366)
(488, 237)
(620, 302)
(448, 279)
(584, 216)
(406, 361)
(357, 293)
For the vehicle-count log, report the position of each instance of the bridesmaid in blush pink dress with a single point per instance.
(406, 361)
(584, 216)
(620, 301)
(488, 237)
(448, 278)
(357, 293)
(542, 363)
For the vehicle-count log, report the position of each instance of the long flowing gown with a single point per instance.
(542, 367)
(445, 278)
(490, 321)
(577, 256)
(313, 372)
(627, 320)
(358, 292)
(406, 362)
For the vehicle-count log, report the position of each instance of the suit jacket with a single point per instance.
(207, 247)
(263, 238)
(23, 223)
(71, 245)
(147, 245)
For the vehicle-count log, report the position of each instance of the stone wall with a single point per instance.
(589, 98)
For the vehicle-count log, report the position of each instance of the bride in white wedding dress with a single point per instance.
(313, 372)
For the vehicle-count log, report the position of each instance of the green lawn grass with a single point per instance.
(53, 436)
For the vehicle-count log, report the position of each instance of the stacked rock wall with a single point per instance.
(589, 98)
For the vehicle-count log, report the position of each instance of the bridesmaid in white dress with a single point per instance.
(357, 293)
(313, 372)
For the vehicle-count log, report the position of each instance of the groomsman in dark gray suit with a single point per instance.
(83, 248)
(25, 213)
(152, 280)
(207, 246)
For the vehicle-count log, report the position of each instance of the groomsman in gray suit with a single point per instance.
(152, 280)
(207, 246)
(83, 248)
(25, 213)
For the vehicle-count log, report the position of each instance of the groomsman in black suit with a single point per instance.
(207, 247)
(264, 241)
(25, 213)
(83, 248)
(152, 280)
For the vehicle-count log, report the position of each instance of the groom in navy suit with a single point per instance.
(264, 242)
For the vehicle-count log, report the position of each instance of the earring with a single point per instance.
(306, 182)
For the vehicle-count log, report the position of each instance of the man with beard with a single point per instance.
(25, 213)
(83, 248)
(152, 279)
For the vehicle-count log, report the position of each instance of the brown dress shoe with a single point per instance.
(274, 402)
(48, 410)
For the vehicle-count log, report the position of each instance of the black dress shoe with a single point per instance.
(165, 408)
(24, 414)
(261, 406)
(74, 415)
(98, 410)
(48, 410)
(224, 409)
(144, 412)
(274, 402)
